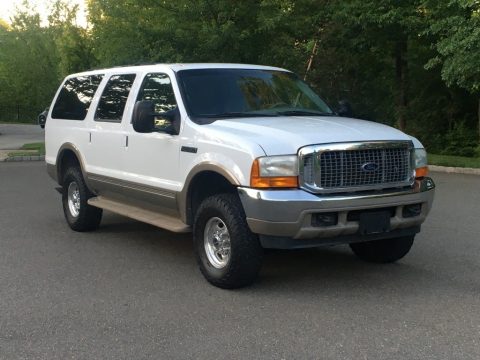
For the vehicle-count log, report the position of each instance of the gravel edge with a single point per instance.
(454, 170)
(25, 158)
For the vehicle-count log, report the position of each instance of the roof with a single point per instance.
(177, 67)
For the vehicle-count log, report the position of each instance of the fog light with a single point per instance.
(324, 219)
(412, 210)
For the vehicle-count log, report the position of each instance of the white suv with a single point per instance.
(246, 157)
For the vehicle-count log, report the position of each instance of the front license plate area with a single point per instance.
(376, 222)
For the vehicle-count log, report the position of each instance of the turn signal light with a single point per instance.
(257, 181)
(421, 172)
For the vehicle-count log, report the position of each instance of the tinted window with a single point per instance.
(157, 88)
(75, 97)
(211, 93)
(114, 97)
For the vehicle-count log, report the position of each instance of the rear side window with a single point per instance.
(75, 97)
(114, 97)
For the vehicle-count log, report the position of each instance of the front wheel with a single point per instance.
(383, 251)
(79, 215)
(228, 253)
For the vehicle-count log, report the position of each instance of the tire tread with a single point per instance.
(383, 251)
(89, 217)
(247, 253)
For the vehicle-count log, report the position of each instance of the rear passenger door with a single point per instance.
(107, 138)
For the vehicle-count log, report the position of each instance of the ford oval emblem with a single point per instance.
(370, 167)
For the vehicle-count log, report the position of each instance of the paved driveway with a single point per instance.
(13, 136)
(131, 291)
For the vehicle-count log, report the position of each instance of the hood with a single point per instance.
(285, 135)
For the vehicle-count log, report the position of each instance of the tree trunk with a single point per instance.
(310, 60)
(401, 70)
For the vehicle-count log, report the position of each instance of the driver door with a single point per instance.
(151, 161)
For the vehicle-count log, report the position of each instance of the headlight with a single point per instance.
(278, 165)
(421, 164)
(275, 171)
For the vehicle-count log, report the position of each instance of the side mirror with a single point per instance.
(146, 120)
(344, 109)
(143, 117)
(168, 121)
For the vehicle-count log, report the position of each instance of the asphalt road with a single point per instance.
(132, 291)
(13, 136)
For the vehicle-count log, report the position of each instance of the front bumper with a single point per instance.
(288, 213)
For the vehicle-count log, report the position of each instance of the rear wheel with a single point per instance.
(79, 215)
(383, 251)
(228, 253)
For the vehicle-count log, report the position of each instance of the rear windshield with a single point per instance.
(75, 97)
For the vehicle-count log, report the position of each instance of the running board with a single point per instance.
(150, 217)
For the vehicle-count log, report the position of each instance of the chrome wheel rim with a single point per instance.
(73, 195)
(217, 242)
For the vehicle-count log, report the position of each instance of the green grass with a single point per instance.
(32, 149)
(15, 122)
(456, 161)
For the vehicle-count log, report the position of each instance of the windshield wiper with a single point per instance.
(303, 113)
(238, 114)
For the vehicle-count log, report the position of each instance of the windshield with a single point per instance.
(223, 93)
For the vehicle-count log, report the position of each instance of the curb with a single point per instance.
(454, 170)
(25, 158)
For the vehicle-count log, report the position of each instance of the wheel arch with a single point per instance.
(204, 180)
(69, 155)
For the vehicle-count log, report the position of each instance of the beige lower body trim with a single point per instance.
(148, 216)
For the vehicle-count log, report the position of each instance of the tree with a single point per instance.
(73, 43)
(28, 58)
(387, 27)
(456, 26)
(127, 31)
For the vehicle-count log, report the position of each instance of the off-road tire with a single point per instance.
(88, 217)
(383, 251)
(246, 253)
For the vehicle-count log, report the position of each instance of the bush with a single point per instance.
(460, 141)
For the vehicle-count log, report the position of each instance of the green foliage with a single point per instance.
(27, 58)
(31, 149)
(455, 161)
(456, 25)
(72, 42)
(460, 141)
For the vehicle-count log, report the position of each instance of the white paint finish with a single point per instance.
(152, 159)
(104, 153)
(285, 135)
(60, 132)
(229, 151)
(416, 143)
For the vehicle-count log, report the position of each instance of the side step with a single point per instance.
(163, 221)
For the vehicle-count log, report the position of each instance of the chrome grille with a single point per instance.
(309, 173)
(356, 166)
